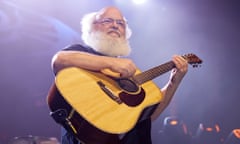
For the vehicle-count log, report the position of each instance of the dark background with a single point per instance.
(32, 31)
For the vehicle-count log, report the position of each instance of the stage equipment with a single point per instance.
(33, 140)
(208, 134)
(175, 131)
(233, 137)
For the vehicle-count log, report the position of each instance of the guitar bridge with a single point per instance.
(109, 92)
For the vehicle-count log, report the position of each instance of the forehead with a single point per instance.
(110, 13)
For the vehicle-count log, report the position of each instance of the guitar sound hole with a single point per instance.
(128, 85)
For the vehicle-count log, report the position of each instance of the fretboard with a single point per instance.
(153, 72)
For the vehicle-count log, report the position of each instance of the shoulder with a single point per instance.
(83, 48)
(77, 47)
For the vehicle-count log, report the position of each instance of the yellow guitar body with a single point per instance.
(80, 89)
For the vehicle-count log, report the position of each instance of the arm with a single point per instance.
(64, 59)
(170, 88)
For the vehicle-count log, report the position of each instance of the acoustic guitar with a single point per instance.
(106, 104)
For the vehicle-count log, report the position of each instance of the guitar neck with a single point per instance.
(153, 72)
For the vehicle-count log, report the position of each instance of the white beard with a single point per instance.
(108, 45)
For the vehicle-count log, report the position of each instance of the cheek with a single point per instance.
(123, 33)
(99, 28)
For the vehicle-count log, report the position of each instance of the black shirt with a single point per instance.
(140, 134)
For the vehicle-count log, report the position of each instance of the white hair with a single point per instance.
(87, 26)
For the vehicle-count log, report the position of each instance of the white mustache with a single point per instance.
(115, 31)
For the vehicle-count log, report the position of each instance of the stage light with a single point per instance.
(139, 1)
(175, 131)
(208, 134)
(233, 137)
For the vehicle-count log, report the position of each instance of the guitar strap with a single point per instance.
(60, 115)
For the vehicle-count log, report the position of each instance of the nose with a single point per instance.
(115, 25)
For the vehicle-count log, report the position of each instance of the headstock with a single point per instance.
(192, 59)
